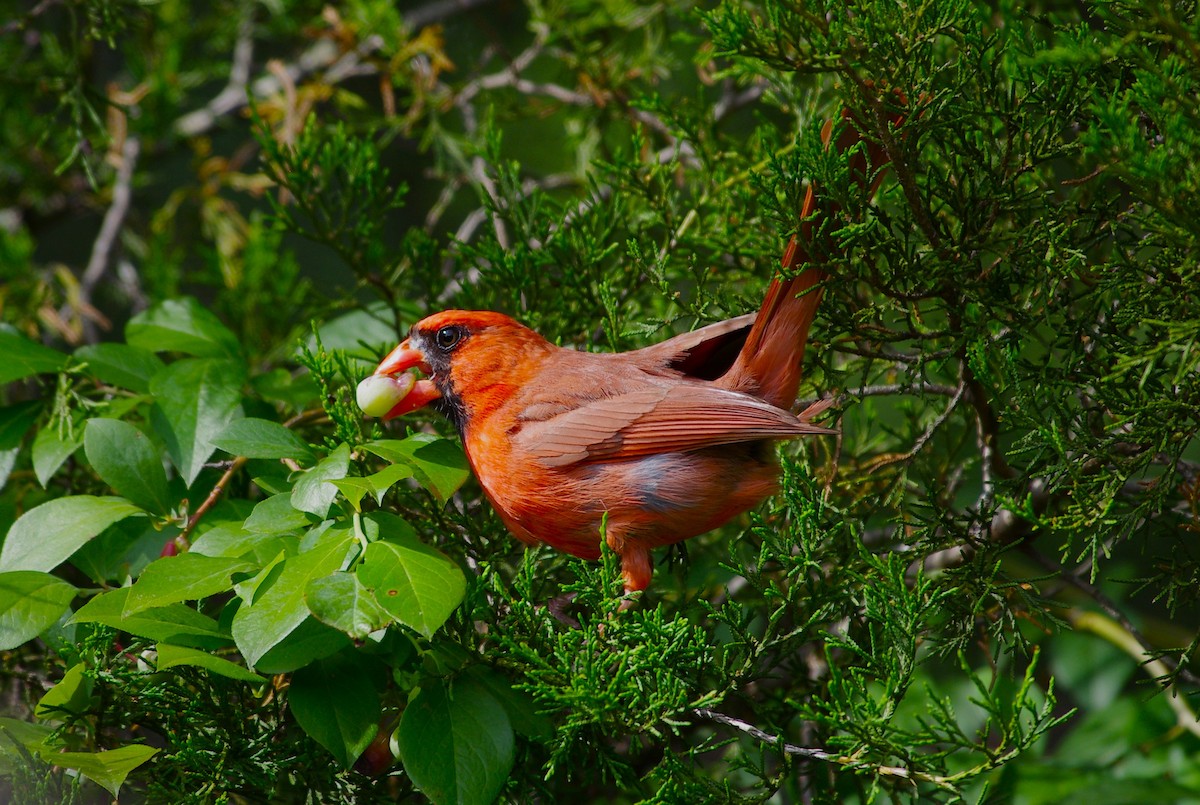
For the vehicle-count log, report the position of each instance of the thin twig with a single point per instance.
(323, 55)
(110, 229)
(508, 75)
(731, 100)
(122, 195)
(439, 207)
(182, 541)
(928, 434)
(774, 740)
(233, 95)
(842, 760)
(889, 389)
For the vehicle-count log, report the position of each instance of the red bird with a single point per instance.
(658, 444)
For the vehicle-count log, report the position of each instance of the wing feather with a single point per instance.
(706, 353)
(661, 419)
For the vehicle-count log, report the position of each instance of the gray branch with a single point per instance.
(122, 196)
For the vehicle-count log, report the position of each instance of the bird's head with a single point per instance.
(461, 351)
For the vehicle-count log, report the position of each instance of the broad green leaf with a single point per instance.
(62, 637)
(30, 602)
(17, 740)
(16, 420)
(195, 400)
(456, 744)
(353, 489)
(71, 695)
(520, 706)
(247, 589)
(23, 357)
(1095, 671)
(108, 769)
(261, 438)
(340, 600)
(335, 702)
(26, 733)
(174, 623)
(126, 460)
(121, 365)
(379, 525)
(182, 325)
(276, 515)
(1053, 782)
(418, 585)
(438, 464)
(1100, 737)
(280, 608)
(383, 480)
(307, 643)
(8, 460)
(234, 540)
(170, 656)
(272, 484)
(376, 485)
(279, 385)
(313, 491)
(50, 450)
(44, 537)
(123, 550)
(184, 577)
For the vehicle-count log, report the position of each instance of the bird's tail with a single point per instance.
(769, 364)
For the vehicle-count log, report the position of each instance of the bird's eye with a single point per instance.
(447, 338)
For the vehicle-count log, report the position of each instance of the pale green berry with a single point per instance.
(379, 394)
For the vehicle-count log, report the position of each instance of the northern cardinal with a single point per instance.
(659, 444)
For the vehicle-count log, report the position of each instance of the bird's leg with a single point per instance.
(635, 566)
(635, 560)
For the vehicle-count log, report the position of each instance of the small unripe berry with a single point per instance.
(379, 394)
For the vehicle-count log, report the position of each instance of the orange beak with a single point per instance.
(401, 359)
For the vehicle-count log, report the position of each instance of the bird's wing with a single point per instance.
(661, 419)
(705, 353)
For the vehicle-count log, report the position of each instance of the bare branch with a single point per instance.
(506, 77)
(849, 762)
(439, 207)
(323, 55)
(110, 229)
(731, 99)
(122, 195)
(897, 388)
(755, 732)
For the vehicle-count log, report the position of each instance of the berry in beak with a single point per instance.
(390, 392)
